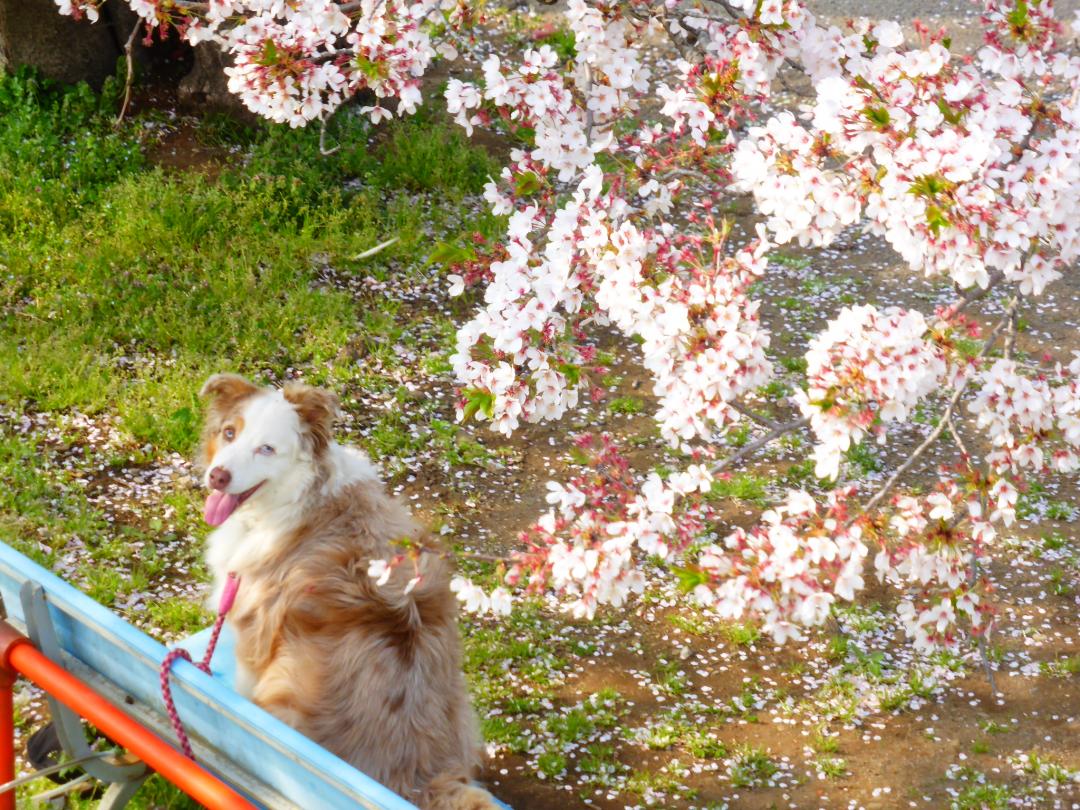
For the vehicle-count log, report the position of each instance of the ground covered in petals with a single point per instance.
(134, 262)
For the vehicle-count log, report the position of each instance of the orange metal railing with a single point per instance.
(18, 656)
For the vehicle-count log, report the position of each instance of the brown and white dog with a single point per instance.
(371, 672)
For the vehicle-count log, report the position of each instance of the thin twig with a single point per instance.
(469, 555)
(322, 138)
(764, 421)
(984, 651)
(958, 439)
(746, 450)
(130, 78)
(1010, 336)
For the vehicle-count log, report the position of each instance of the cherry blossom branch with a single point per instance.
(760, 442)
(943, 421)
(764, 421)
(467, 555)
(977, 293)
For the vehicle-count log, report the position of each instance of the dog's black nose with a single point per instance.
(219, 478)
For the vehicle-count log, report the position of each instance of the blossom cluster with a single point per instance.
(931, 550)
(790, 568)
(1032, 420)
(965, 168)
(591, 543)
(294, 63)
(866, 369)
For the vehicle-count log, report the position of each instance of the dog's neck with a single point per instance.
(259, 529)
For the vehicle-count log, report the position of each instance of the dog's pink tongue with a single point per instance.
(219, 505)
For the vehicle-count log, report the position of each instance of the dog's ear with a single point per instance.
(317, 408)
(226, 389)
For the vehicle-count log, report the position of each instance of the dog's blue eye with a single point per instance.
(266, 450)
(229, 434)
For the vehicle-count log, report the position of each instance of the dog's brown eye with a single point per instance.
(229, 434)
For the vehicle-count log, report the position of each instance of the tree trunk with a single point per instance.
(34, 33)
(206, 87)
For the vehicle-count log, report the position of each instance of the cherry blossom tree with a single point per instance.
(967, 166)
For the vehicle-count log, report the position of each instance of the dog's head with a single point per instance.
(258, 442)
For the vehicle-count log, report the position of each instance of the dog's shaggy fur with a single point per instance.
(369, 671)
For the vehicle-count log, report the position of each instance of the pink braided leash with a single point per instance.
(227, 597)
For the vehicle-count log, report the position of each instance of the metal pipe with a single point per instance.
(186, 774)
(60, 766)
(7, 736)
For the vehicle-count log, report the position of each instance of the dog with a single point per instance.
(369, 669)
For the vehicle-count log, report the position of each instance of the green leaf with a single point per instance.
(269, 54)
(447, 253)
(477, 400)
(527, 184)
(950, 114)
(571, 372)
(689, 578)
(878, 116)
(1018, 17)
(936, 219)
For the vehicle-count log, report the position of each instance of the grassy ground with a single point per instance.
(123, 284)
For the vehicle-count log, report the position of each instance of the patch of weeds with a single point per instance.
(550, 764)
(775, 390)
(570, 727)
(824, 743)
(1038, 767)
(894, 698)
(870, 665)
(1062, 667)
(994, 727)
(1055, 542)
(861, 618)
(423, 153)
(789, 260)
(670, 679)
(1059, 510)
(794, 365)
(751, 767)
(692, 624)
(795, 304)
(704, 745)
(562, 41)
(838, 648)
(980, 747)
(983, 797)
(651, 782)
(948, 659)
(743, 486)
(741, 634)
(604, 708)
(178, 615)
(502, 730)
(746, 703)
(661, 736)
(626, 406)
(800, 474)
(1060, 582)
(864, 459)
(831, 767)
(738, 435)
(599, 760)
